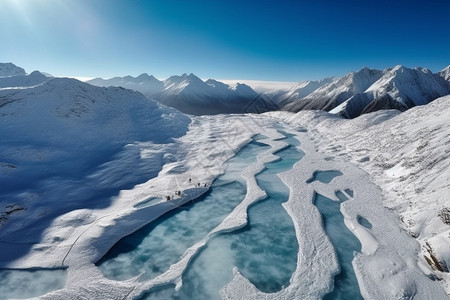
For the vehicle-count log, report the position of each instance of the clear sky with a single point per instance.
(223, 39)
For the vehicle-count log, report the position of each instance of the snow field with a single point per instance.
(381, 156)
(406, 155)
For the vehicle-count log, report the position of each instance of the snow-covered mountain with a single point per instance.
(65, 103)
(18, 81)
(64, 131)
(12, 76)
(356, 93)
(371, 90)
(332, 92)
(144, 83)
(407, 156)
(190, 94)
(10, 69)
(445, 74)
(304, 88)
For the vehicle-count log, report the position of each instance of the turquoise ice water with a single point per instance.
(265, 251)
(324, 176)
(345, 244)
(22, 284)
(152, 249)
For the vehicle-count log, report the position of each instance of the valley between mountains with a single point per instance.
(136, 188)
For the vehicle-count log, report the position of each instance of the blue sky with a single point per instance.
(256, 40)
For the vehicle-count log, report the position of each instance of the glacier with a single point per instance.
(84, 167)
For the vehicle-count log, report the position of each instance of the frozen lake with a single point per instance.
(153, 249)
(345, 245)
(264, 251)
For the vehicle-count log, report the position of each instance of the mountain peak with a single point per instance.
(147, 78)
(34, 78)
(217, 84)
(184, 76)
(447, 69)
(143, 76)
(244, 90)
(10, 69)
(445, 73)
(366, 72)
(400, 68)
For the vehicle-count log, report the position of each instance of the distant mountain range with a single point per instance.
(356, 93)
(349, 96)
(191, 95)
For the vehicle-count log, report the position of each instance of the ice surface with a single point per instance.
(345, 244)
(155, 247)
(324, 176)
(263, 255)
(390, 265)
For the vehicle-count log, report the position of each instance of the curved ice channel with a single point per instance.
(345, 244)
(264, 251)
(151, 250)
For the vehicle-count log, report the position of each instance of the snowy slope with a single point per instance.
(445, 74)
(411, 87)
(64, 132)
(18, 81)
(190, 94)
(407, 155)
(10, 69)
(335, 92)
(301, 90)
(400, 88)
(371, 90)
(76, 159)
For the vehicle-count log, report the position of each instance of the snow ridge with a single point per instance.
(18, 81)
(10, 69)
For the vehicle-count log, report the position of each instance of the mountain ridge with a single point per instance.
(190, 94)
(10, 69)
(351, 95)
(369, 90)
